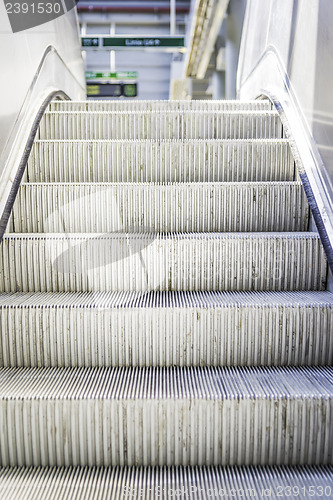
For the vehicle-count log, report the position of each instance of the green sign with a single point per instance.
(119, 75)
(89, 41)
(133, 42)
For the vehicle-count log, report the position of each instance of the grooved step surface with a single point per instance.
(153, 105)
(149, 483)
(215, 416)
(143, 262)
(161, 161)
(160, 125)
(166, 329)
(162, 306)
(190, 207)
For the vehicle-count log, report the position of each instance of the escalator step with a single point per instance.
(166, 416)
(155, 261)
(153, 105)
(149, 483)
(161, 161)
(160, 125)
(166, 329)
(148, 207)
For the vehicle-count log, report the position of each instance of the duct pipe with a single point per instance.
(134, 7)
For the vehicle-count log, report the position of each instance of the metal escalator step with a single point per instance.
(166, 416)
(160, 125)
(155, 261)
(146, 207)
(161, 161)
(166, 329)
(149, 483)
(148, 106)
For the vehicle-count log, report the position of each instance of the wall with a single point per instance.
(234, 27)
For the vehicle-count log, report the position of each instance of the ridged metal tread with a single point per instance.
(156, 261)
(155, 105)
(161, 161)
(160, 125)
(149, 483)
(150, 207)
(211, 415)
(166, 329)
(166, 416)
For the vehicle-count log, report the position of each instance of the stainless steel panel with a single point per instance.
(287, 55)
(34, 63)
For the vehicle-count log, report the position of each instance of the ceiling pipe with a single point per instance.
(181, 8)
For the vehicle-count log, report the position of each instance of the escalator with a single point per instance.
(165, 313)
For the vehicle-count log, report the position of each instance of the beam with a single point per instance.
(207, 18)
(213, 32)
(172, 17)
